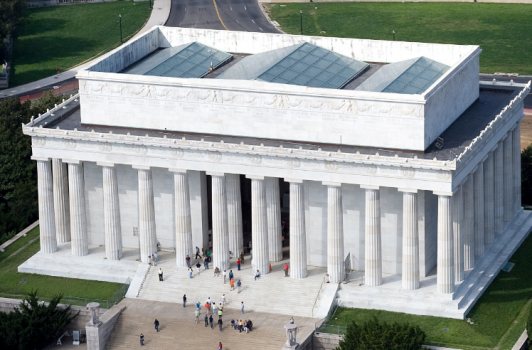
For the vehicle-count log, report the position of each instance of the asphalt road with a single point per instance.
(238, 15)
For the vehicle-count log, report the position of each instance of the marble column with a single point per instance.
(517, 167)
(220, 234)
(78, 214)
(489, 189)
(234, 214)
(458, 233)
(479, 209)
(498, 202)
(61, 205)
(468, 227)
(111, 213)
(410, 240)
(335, 233)
(508, 180)
(183, 224)
(273, 205)
(46, 205)
(445, 278)
(298, 237)
(259, 225)
(373, 248)
(147, 228)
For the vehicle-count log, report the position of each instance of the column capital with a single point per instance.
(104, 164)
(140, 167)
(443, 193)
(214, 173)
(296, 181)
(407, 190)
(255, 177)
(72, 161)
(175, 170)
(331, 184)
(41, 159)
(369, 187)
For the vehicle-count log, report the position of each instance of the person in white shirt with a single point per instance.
(224, 274)
(209, 300)
(214, 308)
(222, 300)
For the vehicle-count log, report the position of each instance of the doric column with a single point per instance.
(61, 205)
(373, 249)
(220, 235)
(335, 233)
(445, 277)
(46, 205)
(183, 226)
(147, 229)
(458, 233)
(234, 214)
(468, 227)
(498, 202)
(479, 209)
(298, 237)
(410, 240)
(517, 166)
(273, 204)
(489, 211)
(259, 225)
(111, 213)
(508, 190)
(78, 215)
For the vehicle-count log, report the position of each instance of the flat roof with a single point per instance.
(456, 138)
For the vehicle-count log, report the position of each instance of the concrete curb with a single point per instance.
(18, 235)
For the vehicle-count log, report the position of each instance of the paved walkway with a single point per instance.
(272, 293)
(178, 329)
(159, 15)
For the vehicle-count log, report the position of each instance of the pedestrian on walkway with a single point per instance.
(292, 320)
(190, 272)
(184, 300)
(220, 313)
(205, 261)
(240, 326)
(198, 266)
(160, 274)
(214, 308)
(188, 260)
(156, 256)
(220, 346)
(242, 306)
(224, 274)
(206, 320)
(231, 276)
(197, 253)
(216, 272)
(233, 324)
(257, 275)
(156, 323)
(210, 321)
(238, 285)
(196, 313)
(286, 270)
(232, 284)
(220, 323)
(198, 305)
(141, 339)
(222, 300)
(208, 255)
(246, 326)
(152, 258)
(242, 257)
(238, 264)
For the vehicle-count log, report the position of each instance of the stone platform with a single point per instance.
(93, 266)
(426, 301)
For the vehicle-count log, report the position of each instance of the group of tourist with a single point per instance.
(240, 325)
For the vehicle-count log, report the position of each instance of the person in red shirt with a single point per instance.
(220, 346)
(238, 263)
(285, 270)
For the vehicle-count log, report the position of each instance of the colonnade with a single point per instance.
(469, 219)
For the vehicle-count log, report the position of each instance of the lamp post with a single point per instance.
(120, 18)
(301, 16)
(393, 33)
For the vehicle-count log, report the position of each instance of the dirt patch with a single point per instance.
(526, 129)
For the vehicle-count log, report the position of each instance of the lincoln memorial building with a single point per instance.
(386, 165)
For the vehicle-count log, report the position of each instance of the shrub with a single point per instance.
(529, 329)
(382, 336)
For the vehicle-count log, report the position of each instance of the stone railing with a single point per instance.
(51, 112)
(492, 128)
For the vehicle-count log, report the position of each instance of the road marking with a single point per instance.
(261, 28)
(245, 8)
(220, 18)
(231, 8)
(253, 21)
(185, 9)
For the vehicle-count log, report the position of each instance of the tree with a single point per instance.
(529, 329)
(32, 325)
(375, 336)
(12, 18)
(526, 175)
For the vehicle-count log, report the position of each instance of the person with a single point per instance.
(233, 324)
(238, 285)
(205, 261)
(222, 300)
(207, 307)
(156, 256)
(292, 320)
(188, 260)
(198, 305)
(196, 313)
(238, 264)
(220, 323)
(198, 266)
(246, 326)
(209, 300)
(184, 300)
(286, 270)
(197, 253)
(250, 325)
(242, 257)
(224, 274)
(270, 267)
(220, 313)
(232, 284)
(216, 272)
(152, 258)
(208, 254)
(231, 276)
(249, 247)
(257, 275)
(206, 320)
(242, 306)
(214, 308)
(210, 321)
(240, 326)
(190, 272)
(141, 339)
(220, 346)
(156, 323)
(160, 274)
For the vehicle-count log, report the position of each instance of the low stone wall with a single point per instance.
(97, 335)
(325, 341)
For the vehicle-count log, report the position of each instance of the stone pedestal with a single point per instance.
(373, 249)
(220, 236)
(183, 226)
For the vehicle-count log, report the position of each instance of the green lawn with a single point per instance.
(47, 286)
(499, 316)
(503, 31)
(64, 36)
